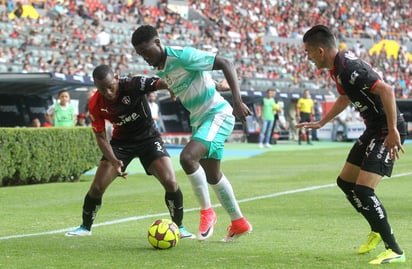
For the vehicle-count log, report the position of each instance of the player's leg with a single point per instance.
(263, 131)
(269, 133)
(374, 211)
(377, 164)
(105, 174)
(156, 161)
(347, 182)
(189, 160)
(226, 196)
(220, 128)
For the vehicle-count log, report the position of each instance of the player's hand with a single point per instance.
(393, 144)
(241, 111)
(118, 165)
(123, 174)
(309, 125)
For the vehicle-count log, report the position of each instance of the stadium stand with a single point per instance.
(263, 38)
(265, 34)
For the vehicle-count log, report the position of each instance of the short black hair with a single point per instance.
(101, 72)
(62, 91)
(320, 35)
(143, 34)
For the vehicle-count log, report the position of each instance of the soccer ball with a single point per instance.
(163, 234)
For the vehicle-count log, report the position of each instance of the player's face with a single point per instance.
(152, 52)
(108, 87)
(316, 55)
(64, 98)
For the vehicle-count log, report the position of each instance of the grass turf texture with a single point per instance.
(300, 219)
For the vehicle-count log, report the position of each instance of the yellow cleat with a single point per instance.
(389, 256)
(373, 240)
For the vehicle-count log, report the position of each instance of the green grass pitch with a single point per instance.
(288, 193)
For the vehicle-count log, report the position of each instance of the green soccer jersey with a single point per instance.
(63, 117)
(267, 108)
(187, 72)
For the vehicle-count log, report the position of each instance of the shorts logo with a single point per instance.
(126, 100)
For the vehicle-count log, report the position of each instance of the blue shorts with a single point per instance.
(213, 133)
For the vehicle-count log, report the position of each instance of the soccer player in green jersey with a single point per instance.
(212, 118)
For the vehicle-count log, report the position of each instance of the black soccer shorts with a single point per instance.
(371, 155)
(146, 151)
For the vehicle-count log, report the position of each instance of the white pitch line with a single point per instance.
(186, 210)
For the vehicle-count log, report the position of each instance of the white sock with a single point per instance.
(226, 196)
(200, 187)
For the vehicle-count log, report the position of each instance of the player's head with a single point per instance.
(306, 94)
(270, 93)
(319, 43)
(146, 42)
(105, 81)
(64, 97)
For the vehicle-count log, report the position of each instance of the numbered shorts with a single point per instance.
(147, 152)
(371, 155)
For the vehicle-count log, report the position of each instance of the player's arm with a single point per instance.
(340, 104)
(387, 96)
(99, 129)
(162, 85)
(107, 151)
(240, 109)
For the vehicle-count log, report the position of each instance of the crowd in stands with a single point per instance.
(263, 37)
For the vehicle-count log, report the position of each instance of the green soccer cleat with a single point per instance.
(389, 256)
(373, 240)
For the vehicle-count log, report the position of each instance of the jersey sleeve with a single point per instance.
(143, 84)
(97, 121)
(360, 75)
(198, 60)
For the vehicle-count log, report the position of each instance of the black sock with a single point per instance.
(348, 189)
(373, 210)
(174, 202)
(90, 208)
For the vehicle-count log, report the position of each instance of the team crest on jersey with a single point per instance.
(126, 100)
(353, 77)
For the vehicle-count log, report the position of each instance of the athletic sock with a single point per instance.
(200, 187)
(373, 210)
(174, 203)
(226, 196)
(348, 189)
(90, 208)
